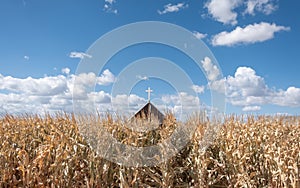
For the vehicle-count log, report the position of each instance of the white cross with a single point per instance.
(149, 93)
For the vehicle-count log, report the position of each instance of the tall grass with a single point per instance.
(246, 152)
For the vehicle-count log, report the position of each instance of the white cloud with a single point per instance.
(251, 108)
(198, 89)
(172, 8)
(110, 1)
(26, 57)
(181, 104)
(65, 70)
(199, 35)
(100, 97)
(188, 100)
(135, 100)
(211, 70)
(52, 93)
(42, 86)
(223, 10)
(106, 78)
(54, 85)
(250, 34)
(79, 55)
(264, 6)
(109, 6)
(127, 104)
(247, 82)
(246, 88)
(140, 77)
(290, 97)
(19, 103)
(218, 85)
(86, 81)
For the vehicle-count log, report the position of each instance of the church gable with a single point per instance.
(149, 111)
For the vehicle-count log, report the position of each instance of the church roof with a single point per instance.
(148, 112)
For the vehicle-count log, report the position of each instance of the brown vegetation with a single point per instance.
(246, 152)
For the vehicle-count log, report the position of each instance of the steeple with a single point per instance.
(149, 93)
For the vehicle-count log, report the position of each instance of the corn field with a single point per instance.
(49, 151)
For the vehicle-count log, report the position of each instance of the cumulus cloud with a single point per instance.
(86, 81)
(247, 83)
(26, 57)
(181, 104)
(42, 86)
(79, 55)
(140, 77)
(100, 97)
(289, 97)
(52, 92)
(110, 1)
(49, 94)
(264, 6)
(65, 70)
(250, 34)
(199, 35)
(109, 6)
(106, 78)
(223, 10)
(172, 8)
(127, 104)
(251, 108)
(246, 88)
(198, 89)
(211, 70)
(218, 85)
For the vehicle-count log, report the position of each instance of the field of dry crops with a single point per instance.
(246, 152)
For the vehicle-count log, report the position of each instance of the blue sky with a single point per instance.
(255, 42)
